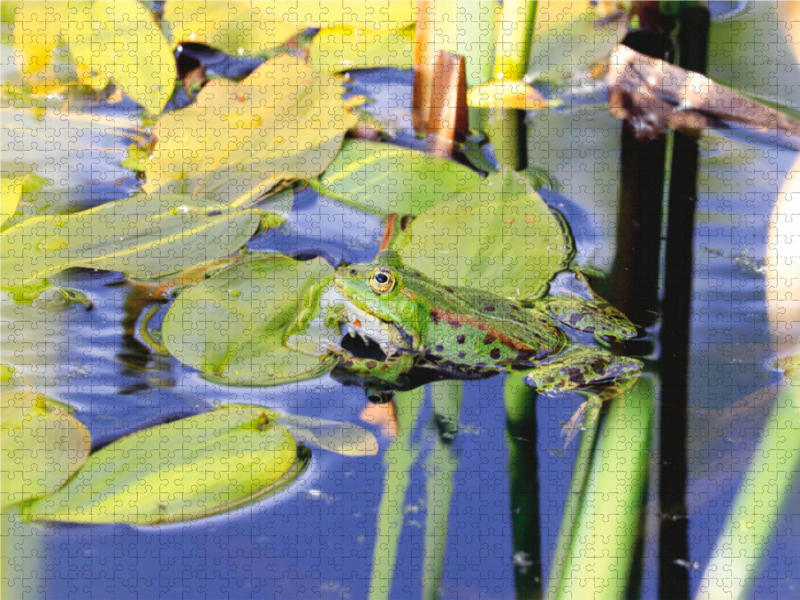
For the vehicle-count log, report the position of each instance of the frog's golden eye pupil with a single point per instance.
(381, 281)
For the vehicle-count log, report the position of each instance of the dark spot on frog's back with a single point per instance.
(495, 353)
(488, 308)
(576, 376)
(439, 348)
(462, 355)
(599, 365)
(461, 338)
(488, 339)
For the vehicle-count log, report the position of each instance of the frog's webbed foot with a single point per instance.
(581, 367)
(598, 317)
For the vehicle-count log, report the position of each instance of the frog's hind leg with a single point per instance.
(581, 367)
(598, 317)
(598, 375)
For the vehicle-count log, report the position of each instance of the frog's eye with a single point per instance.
(381, 281)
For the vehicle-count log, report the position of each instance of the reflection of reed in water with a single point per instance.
(783, 265)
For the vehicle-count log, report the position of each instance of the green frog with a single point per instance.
(418, 322)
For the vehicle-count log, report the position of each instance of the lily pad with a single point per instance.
(244, 27)
(337, 49)
(187, 469)
(231, 327)
(13, 190)
(37, 31)
(42, 446)
(383, 179)
(497, 235)
(509, 94)
(284, 121)
(123, 41)
(143, 237)
(570, 37)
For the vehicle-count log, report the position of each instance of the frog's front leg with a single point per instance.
(387, 370)
(581, 367)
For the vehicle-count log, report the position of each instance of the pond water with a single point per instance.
(316, 539)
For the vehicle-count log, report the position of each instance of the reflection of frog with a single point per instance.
(469, 333)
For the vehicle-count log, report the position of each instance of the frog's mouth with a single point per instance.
(369, 329)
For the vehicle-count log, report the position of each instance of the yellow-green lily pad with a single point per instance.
(497, 235)
(337, 49)
(244, 27)
(142, 236)
(383, 179)
(42, 446)
(122, 40)
(231, 327)
(284, 121)
(188, 469)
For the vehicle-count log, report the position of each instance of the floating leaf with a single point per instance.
(570, 37)
(284, 121)
(497, 235)
(7, 374)
(121, 40)
(42, 446)
(344, 48)
(231, 327)
(187, 469)
(509, 94)
(11, 191)
(37, 31)
(260, 28)
(383, 179)
(141, 236)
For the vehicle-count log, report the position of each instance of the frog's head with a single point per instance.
(377, 289)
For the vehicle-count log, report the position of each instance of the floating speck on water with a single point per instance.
(695, 565)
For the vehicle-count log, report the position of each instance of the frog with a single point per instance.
(463, 332)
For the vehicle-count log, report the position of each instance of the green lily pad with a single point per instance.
(187, 469)
(123, 41)
(244, 27)
(337, 49)
(231, 327)
(143, 237)
(284, 121)
(497, 235)
(383, 179)
(42, 446)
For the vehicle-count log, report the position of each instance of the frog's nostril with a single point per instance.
(353, 272)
